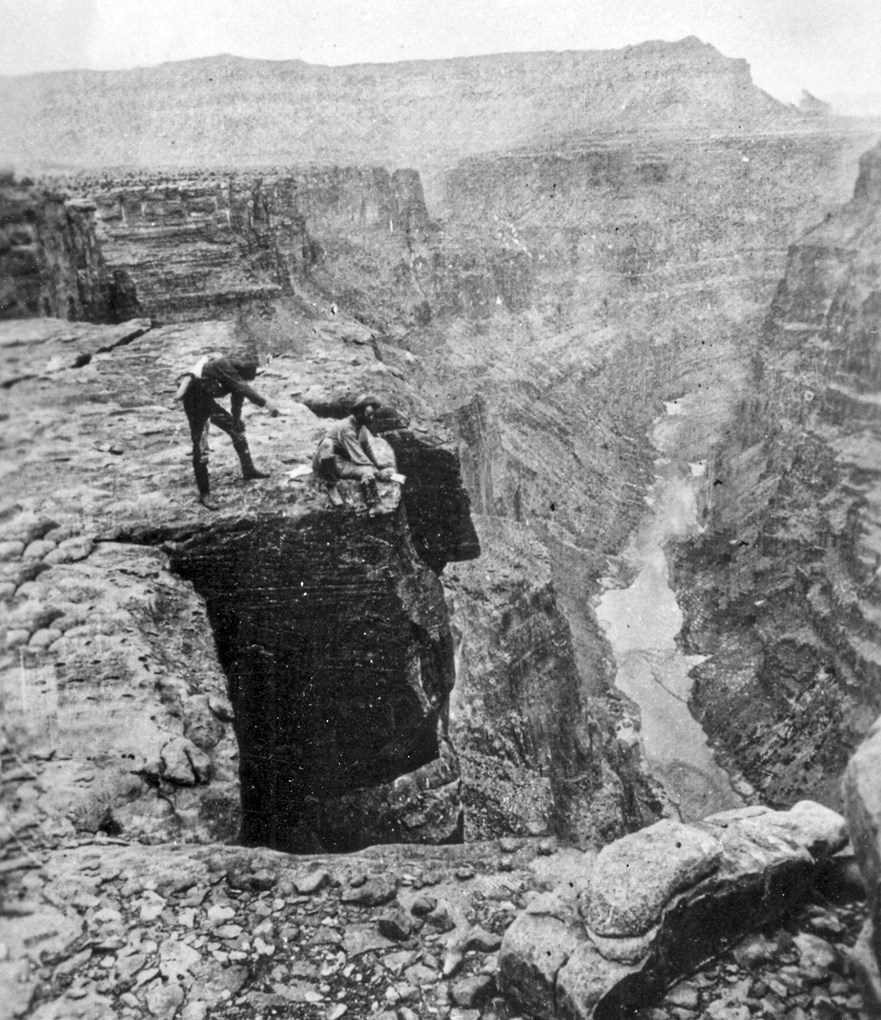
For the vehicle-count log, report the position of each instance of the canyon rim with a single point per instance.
(281, 758)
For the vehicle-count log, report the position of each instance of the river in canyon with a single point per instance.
(641, 623)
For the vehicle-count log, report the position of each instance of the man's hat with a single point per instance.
(364, 400)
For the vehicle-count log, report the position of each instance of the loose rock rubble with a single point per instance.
(104, 930)
(799, 970)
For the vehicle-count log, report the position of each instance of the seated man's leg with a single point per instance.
(349, 469)
(364, 473)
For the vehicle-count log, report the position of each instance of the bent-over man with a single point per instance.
(212, 377)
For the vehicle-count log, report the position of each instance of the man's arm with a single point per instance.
(349, 442)
(365, 439)
(239, 389)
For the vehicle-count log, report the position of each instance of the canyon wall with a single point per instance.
(783, 588)
(51, 262)
(573, 285)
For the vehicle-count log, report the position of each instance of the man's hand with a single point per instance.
(272, 410)
(385, 474)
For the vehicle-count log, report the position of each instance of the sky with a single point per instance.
(826, 46)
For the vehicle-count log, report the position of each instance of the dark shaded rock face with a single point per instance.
(336, 643)
(50, 258)
(784, 588)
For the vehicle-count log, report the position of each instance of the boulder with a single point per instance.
(861, 791)
(654, 908)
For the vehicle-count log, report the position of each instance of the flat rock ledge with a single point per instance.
(657, 903)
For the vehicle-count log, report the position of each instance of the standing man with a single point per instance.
(346, 451)
(215, 376)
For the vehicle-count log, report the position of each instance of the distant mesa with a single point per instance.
(236, 112)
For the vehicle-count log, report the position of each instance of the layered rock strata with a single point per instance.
(51, 262)
(783, 589)
(658, 903)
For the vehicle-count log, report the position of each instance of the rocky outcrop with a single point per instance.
(656, 904)
(99, 616)
(50, 257)
(116, 715)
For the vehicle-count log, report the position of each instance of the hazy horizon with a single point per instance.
(790, 45)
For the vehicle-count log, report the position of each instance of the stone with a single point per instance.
(184, 764)
(312, 881)
(473, 991)
(16, 637)
(423, 905)
(534, 949)
(635, 876)
(452, 962)
(38, 549)
(395, 924)
(420, 975)
(11, 550)
(177, 960)
(374, 892)
(481, 940)
(195, 1010)
(441, 918)
(753, 951)
(816, 956)
(44, 637)
(164, 1000)
(683, 995)
(71, 550)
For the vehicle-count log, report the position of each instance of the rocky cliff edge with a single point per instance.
(118, 716)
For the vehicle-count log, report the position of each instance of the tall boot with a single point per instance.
(370, 491)
(249, 472)
(203, 484)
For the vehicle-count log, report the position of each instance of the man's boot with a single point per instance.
(203, 484)
(370, 491)
(249, 472)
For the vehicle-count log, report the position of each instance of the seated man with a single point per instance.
(347, 451)
(211, 377)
